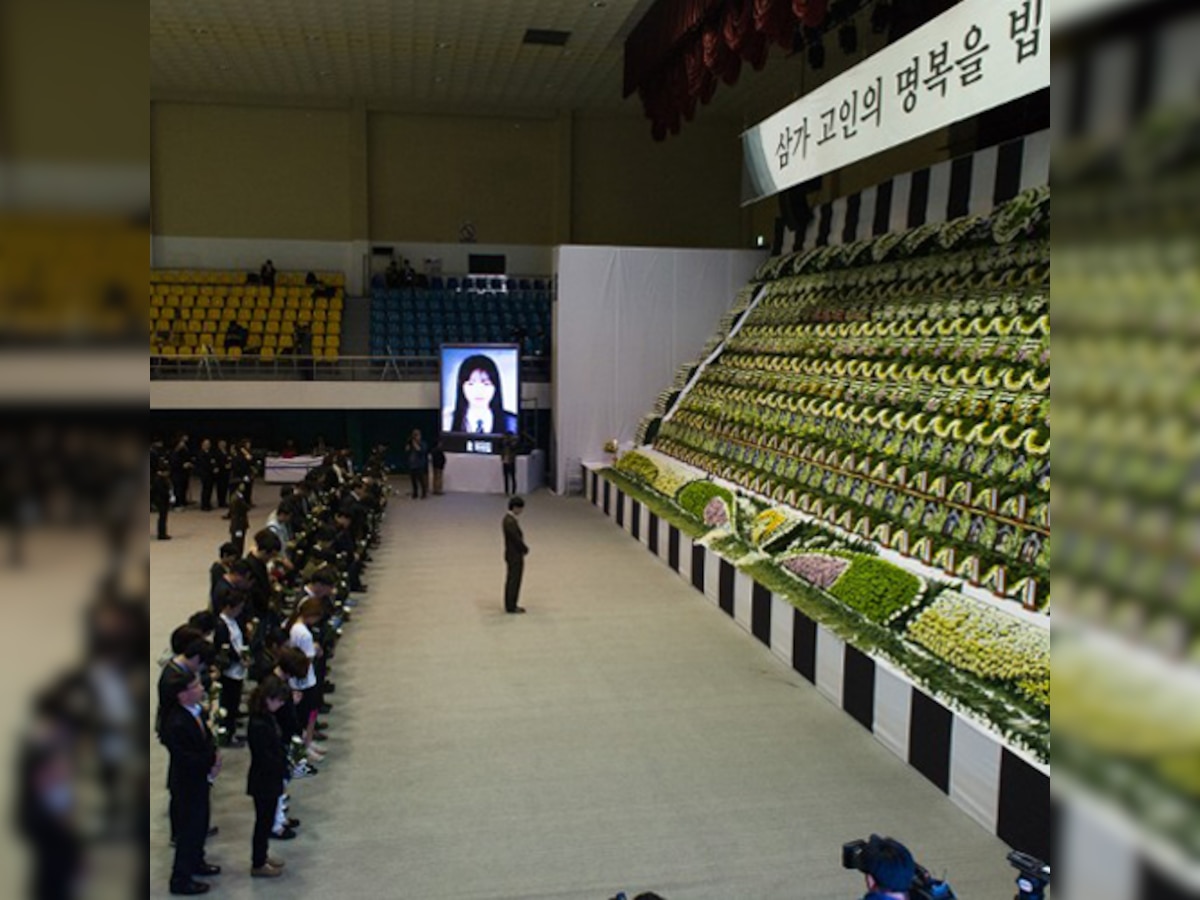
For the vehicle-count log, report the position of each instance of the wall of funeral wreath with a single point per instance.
(887, 395)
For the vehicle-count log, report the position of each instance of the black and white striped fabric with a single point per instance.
(999, 787)
(968, 185)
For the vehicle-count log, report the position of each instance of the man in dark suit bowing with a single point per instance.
(515, 551)
(194, 765)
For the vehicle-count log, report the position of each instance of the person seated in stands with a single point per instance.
(408, 275)
(236, 335)
(392, 277)
(311, 279)
(266, 275)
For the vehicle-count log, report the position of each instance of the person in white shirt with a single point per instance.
(299, 628)
(233, 651)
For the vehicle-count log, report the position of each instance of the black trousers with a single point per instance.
(420, 482)
(222, 484)
(206, 491)
(264, 820)
(180, 484)
(238, 539)
(163, 512)
(191, 812)
(512, 583)
(231, 701)
(510, 477)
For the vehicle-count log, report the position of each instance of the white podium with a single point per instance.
(481, 473)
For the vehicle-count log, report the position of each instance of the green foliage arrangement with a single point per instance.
(694, 497)
(875, 588)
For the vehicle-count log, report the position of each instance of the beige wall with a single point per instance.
(629, 190)
(250, 172)
(430, 174)
(229, 171)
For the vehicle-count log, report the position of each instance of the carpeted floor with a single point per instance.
(623, 735)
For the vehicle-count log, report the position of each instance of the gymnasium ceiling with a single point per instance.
(448, 55)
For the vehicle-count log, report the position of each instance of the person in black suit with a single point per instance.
(206, 469)
(194, 765)
(181, 470)
(221, 474)
(160, 500)
(515, 551)
(268, 768)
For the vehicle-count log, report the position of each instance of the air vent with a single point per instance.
(546, 37)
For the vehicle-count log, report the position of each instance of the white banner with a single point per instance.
(975, 56)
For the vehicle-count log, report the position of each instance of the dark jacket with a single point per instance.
(514, 541)
(239, 515)
(160, 492)
(192, 752)
(268, 761)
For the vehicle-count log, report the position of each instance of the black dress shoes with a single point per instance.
(515, 609)
(206, 870)
(190, 889)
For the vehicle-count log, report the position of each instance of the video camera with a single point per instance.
(1033, 875)
(856, 857)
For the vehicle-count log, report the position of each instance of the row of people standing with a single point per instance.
(218, 464)
(274, 619)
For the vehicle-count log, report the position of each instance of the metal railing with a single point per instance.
(208, 367)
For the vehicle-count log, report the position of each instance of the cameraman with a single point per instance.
(889, 869)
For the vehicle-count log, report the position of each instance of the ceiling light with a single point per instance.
(324, 73)
(599, 4)
(443, 45)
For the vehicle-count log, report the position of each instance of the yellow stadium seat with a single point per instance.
(335, 304)
(274, 315)
(258, 315)
(235, 352)
(256, 326)
(187, 300)
(270, 340)
(214, 314)
(289, 315)
(167, 350)
(191, 339)
(318, 327)
(272, 326)
(267, 354)
(318, 341)
(330, 355)
(195, 326)
(286, 342)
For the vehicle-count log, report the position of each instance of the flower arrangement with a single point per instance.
(637, 466)
(878, 589)
(818, 569)
(987, 642)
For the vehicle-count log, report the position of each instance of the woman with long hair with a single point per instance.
(479, 404)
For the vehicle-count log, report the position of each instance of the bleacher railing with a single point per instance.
(208, 367)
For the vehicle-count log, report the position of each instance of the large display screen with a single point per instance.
(481, 395)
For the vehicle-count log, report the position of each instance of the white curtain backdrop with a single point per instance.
(624, 320)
